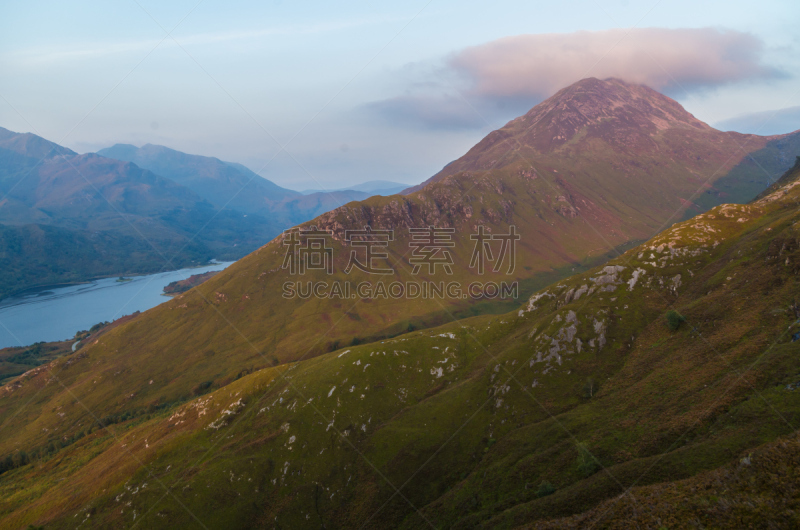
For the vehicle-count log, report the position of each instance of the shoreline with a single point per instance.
(47, 287)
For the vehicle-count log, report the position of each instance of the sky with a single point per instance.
(318, 95)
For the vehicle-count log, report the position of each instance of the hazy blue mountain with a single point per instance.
(66, 217)
(223, 184)
(28, 144)
(233, 186)
(372, 187)
(781, 121)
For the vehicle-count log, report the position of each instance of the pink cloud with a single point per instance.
(664, 59)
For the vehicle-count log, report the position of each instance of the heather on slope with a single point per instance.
(585, 388)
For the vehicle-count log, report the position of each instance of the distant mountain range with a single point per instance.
(373, 187)
(66, 217)
(668, 369)
(233, 186)
(779, 121)
(223, 184)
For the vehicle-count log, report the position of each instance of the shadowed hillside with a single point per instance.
(68, 217)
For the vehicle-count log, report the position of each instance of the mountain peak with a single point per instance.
(29, 144)
(595, 119)
(619, 112)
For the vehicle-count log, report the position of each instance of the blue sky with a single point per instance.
(358, 91)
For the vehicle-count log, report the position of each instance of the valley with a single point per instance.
(650, 352)
(585, 388)
(68, 218)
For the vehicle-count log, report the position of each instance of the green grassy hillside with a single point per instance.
(673, 360)
(758, 490)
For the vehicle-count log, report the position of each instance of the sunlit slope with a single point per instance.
(633, 147)
(622, 160)
(585, 387)
(239, 320)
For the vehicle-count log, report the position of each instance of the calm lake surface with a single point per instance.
(57, 314)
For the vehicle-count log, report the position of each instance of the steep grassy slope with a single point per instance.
(759, 490)
(622, 186)
(586, 388)
(16, 361)
(238, 321)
